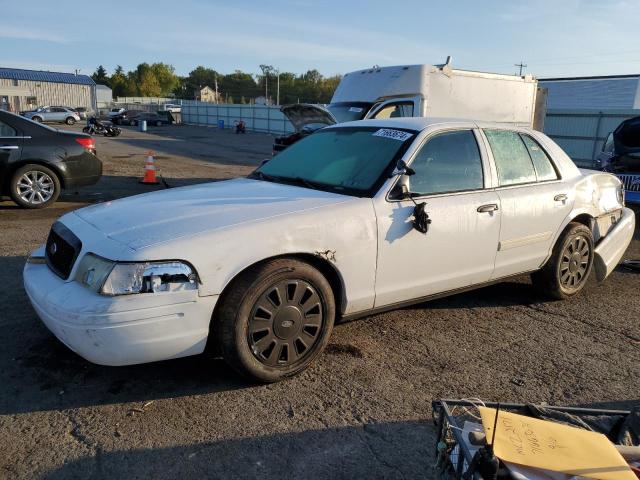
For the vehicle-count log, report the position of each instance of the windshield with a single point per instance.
(349, 111)
(349, 160)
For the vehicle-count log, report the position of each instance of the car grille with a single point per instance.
(62, 250)
(631, 182)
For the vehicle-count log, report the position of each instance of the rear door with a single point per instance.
(57, 114)
(10, 147)
(534, 201)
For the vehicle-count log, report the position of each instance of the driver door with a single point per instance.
(459, 248)
(397, 108)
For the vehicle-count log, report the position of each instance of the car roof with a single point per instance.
(422, 123)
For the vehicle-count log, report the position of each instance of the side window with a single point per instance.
(394, 110)
(7, 131)
(512, 159)
(541, 162)
(57, 109)
(608, 144)
(448, 162)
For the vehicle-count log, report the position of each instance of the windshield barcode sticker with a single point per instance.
(395, 134)
(355, 109)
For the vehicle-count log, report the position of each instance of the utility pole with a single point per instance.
(521, 65)
(266, 88)
(278, 90)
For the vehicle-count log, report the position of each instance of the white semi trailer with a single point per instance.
(437, 91)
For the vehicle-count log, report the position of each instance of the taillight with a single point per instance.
(86, 142)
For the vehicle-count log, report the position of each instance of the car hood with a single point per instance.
(152, 218)
(302, 114)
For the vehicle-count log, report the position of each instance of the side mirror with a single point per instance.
(403, 169)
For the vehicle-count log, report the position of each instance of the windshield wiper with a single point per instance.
(294, 180)
(313, 185)
(263, 176)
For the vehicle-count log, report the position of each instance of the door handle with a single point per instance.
(491, 207)
(9, 147)
(561, 198)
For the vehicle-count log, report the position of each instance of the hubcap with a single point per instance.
(574, 263)
(285, 323)
(35, 187)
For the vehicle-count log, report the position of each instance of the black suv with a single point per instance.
(37, 161)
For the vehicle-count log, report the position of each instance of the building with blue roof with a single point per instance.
(22, 90)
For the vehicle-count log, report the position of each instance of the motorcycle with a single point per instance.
(98, 128)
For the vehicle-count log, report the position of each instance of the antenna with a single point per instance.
(521, 65)
(495, 424)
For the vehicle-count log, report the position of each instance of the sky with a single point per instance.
(554, 38)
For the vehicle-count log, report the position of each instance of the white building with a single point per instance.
(28, 89)
(590, 93)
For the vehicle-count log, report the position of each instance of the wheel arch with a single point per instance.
(12, 167)
(322, 264)
(584, 217)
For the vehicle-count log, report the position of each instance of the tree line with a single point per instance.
(160, 80)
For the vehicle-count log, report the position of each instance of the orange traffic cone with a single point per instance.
(150, 170)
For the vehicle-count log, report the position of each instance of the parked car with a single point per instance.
(54, 114)
(115, 111)
(357, 218)
(37, 161)
(84, 112)
(621, 155)
(171, 107)
(125, 117)
(306, 119)
(151, 118)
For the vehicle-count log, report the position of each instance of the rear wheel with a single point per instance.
(567, 271)
(34, 186)
(275, 319)
(70, 121)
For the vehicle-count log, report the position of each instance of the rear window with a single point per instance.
(512, 159)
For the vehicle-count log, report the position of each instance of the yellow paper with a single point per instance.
(553, 446)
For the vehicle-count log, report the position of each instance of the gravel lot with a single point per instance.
(362, 410)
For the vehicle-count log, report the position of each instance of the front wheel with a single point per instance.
(34, 186)
(275, 319)
(567, 271)
(70, 121)
(37, 119)
(86, 130)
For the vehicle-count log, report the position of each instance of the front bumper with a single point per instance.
(122, 330)
(612, 247)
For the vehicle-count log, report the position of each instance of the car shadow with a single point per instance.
(373, 450)
(112, 187)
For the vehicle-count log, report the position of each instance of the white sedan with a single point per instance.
(357, 218)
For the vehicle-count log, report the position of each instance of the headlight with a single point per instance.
(112, 278)
(620, 194)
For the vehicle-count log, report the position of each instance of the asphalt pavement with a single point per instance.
(363, 410)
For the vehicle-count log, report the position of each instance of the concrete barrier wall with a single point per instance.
(258, 118)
